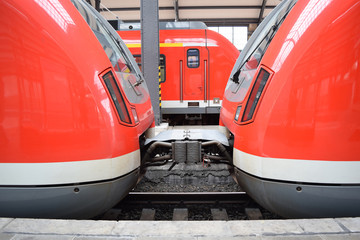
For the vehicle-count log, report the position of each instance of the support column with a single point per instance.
(150, 51)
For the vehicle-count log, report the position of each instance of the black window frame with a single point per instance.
(257, 91)
(191, 53)
(116, 96)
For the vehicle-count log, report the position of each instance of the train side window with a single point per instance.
(255, 94)
(116, 96)
(193, 57)
(162, 68)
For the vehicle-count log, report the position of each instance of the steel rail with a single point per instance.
(185, 197)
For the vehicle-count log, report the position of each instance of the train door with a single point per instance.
(195, 80)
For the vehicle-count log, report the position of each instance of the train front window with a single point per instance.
(112, 49)
(138, 60)
(162, 68)
(116, 97)
(255, 49)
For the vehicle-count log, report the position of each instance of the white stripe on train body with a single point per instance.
(296, 170)
(68, 172)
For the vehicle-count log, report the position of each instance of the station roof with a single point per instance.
(211, 12)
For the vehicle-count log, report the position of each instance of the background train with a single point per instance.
(195, 64)
(73, 105)
(292, 104)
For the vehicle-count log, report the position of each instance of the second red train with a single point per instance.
(195, 63)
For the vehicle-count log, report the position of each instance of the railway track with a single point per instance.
(187, 206)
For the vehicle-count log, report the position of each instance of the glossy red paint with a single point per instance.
(296, 149)
(310, 107)
(53, 104)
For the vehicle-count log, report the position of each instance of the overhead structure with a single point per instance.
(95, 4)
(211, 12)
(150, 51)
(261, 14)
(176, 9)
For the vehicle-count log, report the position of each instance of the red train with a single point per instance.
(292, 105)
(195, 64)
(73, 107)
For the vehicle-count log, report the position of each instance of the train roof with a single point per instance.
(122, 26)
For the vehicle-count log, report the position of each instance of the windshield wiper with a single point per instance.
(134, 85)
(139, 81)
(235, 77)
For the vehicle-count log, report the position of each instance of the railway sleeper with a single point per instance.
(178, 214)
(187, 146)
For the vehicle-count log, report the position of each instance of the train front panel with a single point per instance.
(70, 134)
(292, 107)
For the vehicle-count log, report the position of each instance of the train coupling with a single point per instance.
(191, 146)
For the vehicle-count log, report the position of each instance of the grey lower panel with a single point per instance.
(191, 110)
(213, 110)
(75, 201)
(292, 200)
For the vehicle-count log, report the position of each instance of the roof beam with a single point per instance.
(226, 22)
(214, 22)
(193, 8)
(176, 9)
(95, 4)
(261, 15)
